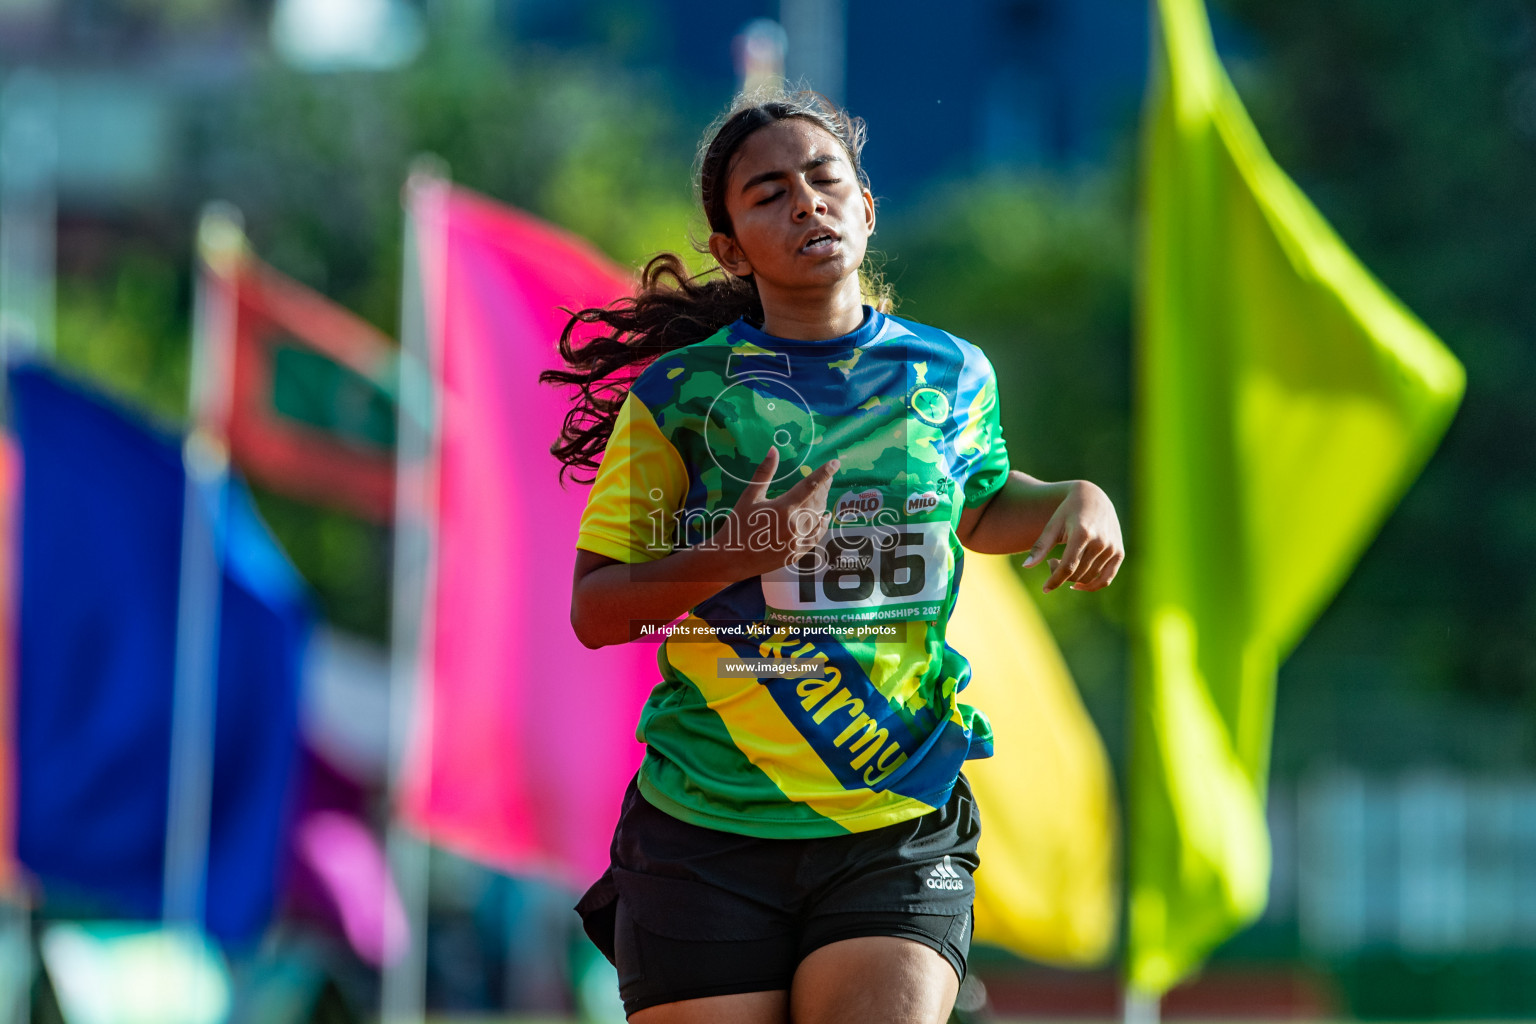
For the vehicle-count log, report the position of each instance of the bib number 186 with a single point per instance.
(890, 572)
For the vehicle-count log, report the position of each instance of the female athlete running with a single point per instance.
(796, 473)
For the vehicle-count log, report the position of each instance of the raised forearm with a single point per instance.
(1013, 519)
(1032, 514)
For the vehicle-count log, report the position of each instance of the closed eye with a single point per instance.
(765, 202)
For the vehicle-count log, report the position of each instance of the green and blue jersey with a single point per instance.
(911, 412)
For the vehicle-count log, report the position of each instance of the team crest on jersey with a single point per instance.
(930, 404)
(855, 504)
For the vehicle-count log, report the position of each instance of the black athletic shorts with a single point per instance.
(686, 912)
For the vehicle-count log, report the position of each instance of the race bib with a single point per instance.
(886, 572)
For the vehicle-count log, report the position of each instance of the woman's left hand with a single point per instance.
(1086, 523)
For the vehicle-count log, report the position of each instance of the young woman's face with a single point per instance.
(799, 217)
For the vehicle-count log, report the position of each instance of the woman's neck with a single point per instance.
(817, 316)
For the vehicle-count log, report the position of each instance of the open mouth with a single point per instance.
(819, 243)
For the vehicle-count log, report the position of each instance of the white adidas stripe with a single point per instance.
(943, 869)
(944, 876)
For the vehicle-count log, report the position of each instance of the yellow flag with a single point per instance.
(1047, 888)
(1285, 402)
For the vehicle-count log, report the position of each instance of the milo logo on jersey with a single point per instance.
(922, 504)
(857, 505)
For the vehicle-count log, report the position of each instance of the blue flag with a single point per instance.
(101, 512)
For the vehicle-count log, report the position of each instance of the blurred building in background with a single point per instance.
(990, 83)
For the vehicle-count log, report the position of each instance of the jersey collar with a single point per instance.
(866, 332)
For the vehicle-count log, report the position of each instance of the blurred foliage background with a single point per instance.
(1411, 123)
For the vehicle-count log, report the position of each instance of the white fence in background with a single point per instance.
(1429, 863)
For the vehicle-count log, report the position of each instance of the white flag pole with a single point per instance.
(816, 54)
(404, 979)
(205, 458)
(28, 166)
(28, 211)
(28, 216)
(1141, 1008)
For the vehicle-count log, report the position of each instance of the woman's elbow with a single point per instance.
(581, 625)
(591, 626)
(588, 626)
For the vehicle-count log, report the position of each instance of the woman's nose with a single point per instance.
(808, 201)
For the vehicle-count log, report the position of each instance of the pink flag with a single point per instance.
(525, 742)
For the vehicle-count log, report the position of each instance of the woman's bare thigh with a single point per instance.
(744, 1007)
(874, 978)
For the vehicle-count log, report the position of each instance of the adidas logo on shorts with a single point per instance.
(944, 876)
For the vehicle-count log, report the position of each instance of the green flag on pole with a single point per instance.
(1285, 402)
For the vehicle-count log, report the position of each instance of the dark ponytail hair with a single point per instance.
(674, 308)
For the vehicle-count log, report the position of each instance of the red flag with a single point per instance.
(311, 411)
(527, 740)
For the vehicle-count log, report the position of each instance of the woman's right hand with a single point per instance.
(611, 601)
(774, 532)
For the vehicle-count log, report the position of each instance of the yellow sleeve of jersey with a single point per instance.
(641, 483)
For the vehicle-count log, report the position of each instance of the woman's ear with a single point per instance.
(869, 210)
(729, 255)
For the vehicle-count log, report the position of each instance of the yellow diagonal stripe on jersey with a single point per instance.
(771, 742)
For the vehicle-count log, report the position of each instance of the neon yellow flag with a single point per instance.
(1047, 888)
(1285, 402)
